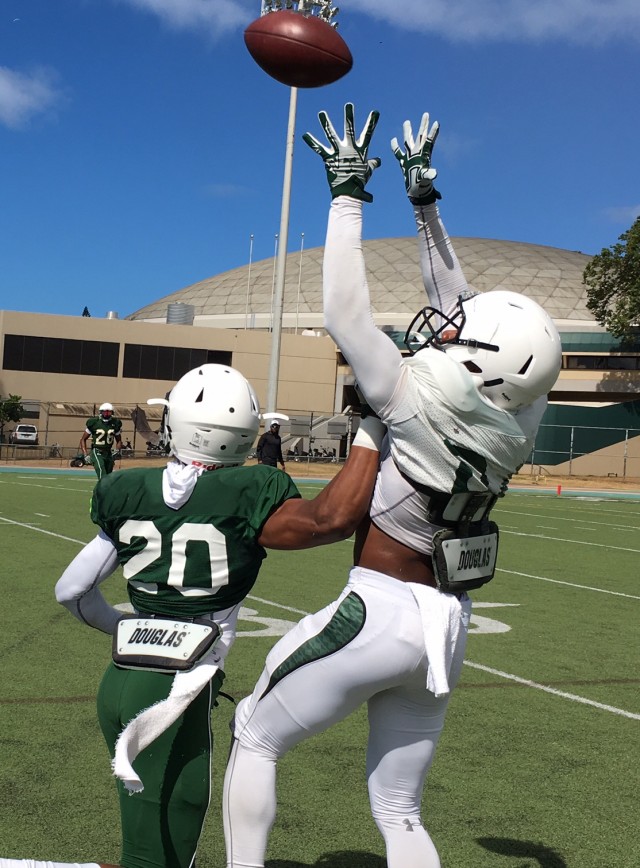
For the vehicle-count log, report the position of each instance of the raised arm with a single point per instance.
(336, 512)
(442, 275)
(373, 357)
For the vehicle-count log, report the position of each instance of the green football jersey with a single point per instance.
(202, 557)
(103, 432)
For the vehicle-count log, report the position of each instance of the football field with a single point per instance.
(538, 761)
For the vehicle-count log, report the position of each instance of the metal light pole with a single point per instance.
(276, 339)
(326, 11)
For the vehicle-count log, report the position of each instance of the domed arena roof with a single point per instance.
(243, 297)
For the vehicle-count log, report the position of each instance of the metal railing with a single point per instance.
(586, 451)
(323, 438)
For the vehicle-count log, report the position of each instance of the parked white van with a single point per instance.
(25, 435)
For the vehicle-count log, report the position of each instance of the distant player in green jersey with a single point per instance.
(190, 539)
(104, 430)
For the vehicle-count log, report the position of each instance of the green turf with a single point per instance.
(522, 777)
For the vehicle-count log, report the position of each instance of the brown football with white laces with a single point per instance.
(298, 50)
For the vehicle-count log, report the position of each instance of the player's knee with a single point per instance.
(257, 744)
(394, 812)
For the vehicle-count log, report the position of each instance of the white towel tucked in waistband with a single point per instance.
(442, 623)
(153, 721)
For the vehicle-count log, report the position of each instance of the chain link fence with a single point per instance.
(578, 450)
(565, 450)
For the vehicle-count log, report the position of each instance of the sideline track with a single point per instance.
(610, 493)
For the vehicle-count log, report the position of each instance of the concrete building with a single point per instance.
(65, 366)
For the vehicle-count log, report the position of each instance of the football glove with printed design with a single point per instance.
(415, 161)
(346, 160)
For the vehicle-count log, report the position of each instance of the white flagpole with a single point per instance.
(299, 279)
(246, 307)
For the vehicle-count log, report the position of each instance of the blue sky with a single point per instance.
(141, 147)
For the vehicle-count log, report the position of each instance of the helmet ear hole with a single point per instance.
(511, 343)
(525, 367)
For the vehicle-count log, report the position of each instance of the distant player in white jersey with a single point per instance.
(462, 413)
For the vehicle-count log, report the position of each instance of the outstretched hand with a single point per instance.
(415, 161)
(346, 160)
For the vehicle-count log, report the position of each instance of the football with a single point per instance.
(298, 50)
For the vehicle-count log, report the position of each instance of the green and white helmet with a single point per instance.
(506, 340)
(212, 417)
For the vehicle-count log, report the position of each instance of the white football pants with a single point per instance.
(367, 646)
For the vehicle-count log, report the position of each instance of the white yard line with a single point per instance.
(41, 530)
(574, 519)
(568, 584)
(571, 696)
(48, 487)
(576, 542)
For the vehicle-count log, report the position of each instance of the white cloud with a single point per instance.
(626, 214)
(226, 191)
(455, 148)
(25, 95)
(577, 21)
(215, 17)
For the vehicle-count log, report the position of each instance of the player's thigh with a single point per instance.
(326, 667)
(161, 826)
(405, 724)
(97, 459)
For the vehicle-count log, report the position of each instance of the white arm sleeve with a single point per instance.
(374, 358)
(441, 272)
(77, 588)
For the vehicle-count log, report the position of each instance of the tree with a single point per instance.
(11, 410)
(613, 284)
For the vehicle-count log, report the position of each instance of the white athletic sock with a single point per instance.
(408, 845)
(39, 863)
(249, 806)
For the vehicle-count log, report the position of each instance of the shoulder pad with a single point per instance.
(454, 381)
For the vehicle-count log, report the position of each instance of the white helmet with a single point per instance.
(104, 409)
(504, 338)
(212, 417)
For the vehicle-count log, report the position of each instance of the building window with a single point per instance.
(145, 362)
(60, 356)
(601, 363)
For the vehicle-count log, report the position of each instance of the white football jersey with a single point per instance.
(443, 434)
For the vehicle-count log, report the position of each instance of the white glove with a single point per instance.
(346, 160)
(415, 161)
